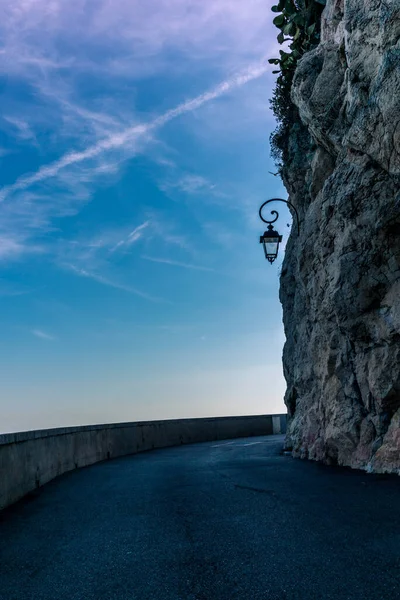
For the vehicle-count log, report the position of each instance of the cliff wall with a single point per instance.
(340, 281)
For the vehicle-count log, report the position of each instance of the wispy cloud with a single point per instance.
(190, 184)
(95, 257)
(30, 205)
(176, 263)
(128, 135)
(132, 237)
(92, 256)
(99, 278)
(100, 126)
(22, 129)
(13, 246)
(167, 231)
(43, 335)
(226, 30)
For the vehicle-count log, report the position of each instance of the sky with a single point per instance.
(134, 153)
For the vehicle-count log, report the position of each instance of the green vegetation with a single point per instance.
(299, 22)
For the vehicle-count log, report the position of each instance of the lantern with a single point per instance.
(270, 241)
(271, 238)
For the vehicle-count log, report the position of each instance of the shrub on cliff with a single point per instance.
(299, 22)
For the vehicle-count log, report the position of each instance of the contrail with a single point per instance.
(176, 263)
(118, 140)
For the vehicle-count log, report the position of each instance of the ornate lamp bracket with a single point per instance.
(274, 212)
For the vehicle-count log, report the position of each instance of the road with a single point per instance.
(214, 521)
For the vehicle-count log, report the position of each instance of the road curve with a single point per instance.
(215, 521)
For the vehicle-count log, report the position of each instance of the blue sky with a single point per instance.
(134, 156)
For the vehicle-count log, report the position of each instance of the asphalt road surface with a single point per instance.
(215, 521)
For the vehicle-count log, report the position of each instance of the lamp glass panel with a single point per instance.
(271, 248)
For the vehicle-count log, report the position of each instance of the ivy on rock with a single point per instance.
(299, 22)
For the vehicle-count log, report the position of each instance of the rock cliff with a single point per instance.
(340, 280)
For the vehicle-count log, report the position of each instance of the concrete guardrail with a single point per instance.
(30, 459)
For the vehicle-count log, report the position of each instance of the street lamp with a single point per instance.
(271, 238)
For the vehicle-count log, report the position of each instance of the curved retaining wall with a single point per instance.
(31, 459)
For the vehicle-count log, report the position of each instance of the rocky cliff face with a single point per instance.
(340, 282)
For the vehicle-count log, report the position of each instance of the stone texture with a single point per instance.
(340, 281)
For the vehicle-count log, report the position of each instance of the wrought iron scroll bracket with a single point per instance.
(274, 212)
